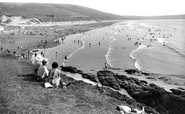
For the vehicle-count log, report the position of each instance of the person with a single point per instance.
(54, 75)
(105, 67)
(56, 53)
(42, 53)
(37, 63)
(65, 61)
(43, 71)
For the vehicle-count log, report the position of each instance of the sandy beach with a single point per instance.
(127, 45)
(123, 46)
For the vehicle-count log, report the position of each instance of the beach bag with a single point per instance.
(47, 85)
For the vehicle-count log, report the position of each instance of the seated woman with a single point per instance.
(55, 75)
(37, 64)
(43, 71)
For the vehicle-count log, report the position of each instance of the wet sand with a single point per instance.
(90, 57)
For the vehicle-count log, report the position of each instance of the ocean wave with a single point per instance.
(160, 40)
(137, 65)
(115, 32)
(176, 50)
(70, 55)
(145, 25)
(107, 56)
(82, 38)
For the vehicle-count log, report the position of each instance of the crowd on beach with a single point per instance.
(52, 77)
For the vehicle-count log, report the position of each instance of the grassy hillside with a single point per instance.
(55, 12)
(66, 12)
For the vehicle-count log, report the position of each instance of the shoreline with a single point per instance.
(138, 89)
(161, 77)
(136, 74)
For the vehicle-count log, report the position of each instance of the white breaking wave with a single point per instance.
(107, 56)
(82, 38)
(75, 52)
(136, 61)
(115, 32)
(160, 40)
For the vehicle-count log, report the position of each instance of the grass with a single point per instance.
(20, 93)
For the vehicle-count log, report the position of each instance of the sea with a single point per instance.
(161, 49)
(152, 46)
(168, 55)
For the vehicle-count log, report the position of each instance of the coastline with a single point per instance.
(139, 75)
(107, 42)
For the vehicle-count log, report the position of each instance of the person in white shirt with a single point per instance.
(37, 64)
(43, 71)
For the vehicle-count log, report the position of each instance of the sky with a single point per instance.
(123, 7)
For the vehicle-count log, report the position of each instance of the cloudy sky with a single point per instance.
(124, 7)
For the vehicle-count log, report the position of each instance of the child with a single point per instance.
(54, 75)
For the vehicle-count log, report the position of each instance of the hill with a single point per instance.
(182, 16)
(65, 12)
(55, 12)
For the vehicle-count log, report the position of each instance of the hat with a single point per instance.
(45, 60)
(39, 58)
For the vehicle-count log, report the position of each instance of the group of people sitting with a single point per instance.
(41, 72)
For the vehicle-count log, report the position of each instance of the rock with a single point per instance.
(80, 71)
(131, 102)
(177, 92)
(106, 78)
(144, 82)
(153, 95)
(89, 76)
(136, 71)
(132, 71)
(69, 69)
(150, 94)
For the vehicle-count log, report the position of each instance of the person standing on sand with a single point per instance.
(56, 53)
(54, 75)
(105, 67)
(43, 71)
(65, 61)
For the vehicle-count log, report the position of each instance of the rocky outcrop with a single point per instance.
(106, 78)
(90, 77)
(178, 92)
(150, 94)
(71, 69)
(137, 72)
(75, 70)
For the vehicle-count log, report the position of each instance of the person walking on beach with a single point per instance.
(56, 53)
(65, 61)
(105, 67)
